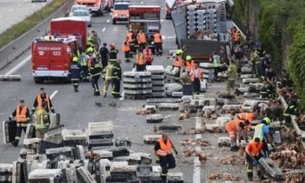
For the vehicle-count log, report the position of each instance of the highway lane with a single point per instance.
(77, 109)
(13, 12)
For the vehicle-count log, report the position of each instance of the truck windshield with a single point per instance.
(121, 7)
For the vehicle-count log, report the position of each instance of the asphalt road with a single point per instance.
(77, 109)
(13, 12)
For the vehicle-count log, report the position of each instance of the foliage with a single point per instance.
(18, 29)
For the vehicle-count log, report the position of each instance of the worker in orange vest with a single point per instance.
(196, 77)
(236, 129)
(235, 34)
(250, 116)
(139, 61)
(22, 117)
(43, 97)
(163, 151)
(189, 64)
(141, 39)
(148, 56)
(158, 43)
(126, 49)
(178, 62)
(254, 151)
(131, 40)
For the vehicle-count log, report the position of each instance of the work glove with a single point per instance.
(9, 118)
(32, 112)
(264, 156)
(53, 110)
(157, 160)
(255, 163)
(176, 152)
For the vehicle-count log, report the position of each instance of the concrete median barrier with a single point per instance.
(10, 78)
(22, 44)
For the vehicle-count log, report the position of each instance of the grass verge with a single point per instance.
(18, 29)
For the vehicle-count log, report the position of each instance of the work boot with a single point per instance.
(234, 148)
(15, 143)
(250, 176)
(127, 60)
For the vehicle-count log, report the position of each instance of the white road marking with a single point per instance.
(197, 163)
(18, 5)
(108, 21)
(10, 10)
(103, 30)
(53, 94)
(19, 65)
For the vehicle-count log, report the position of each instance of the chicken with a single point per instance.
(155, 129)
(187, 113)
(202, 157)
(215, 176)
(94, 156)
(181, 117)
(241, 151)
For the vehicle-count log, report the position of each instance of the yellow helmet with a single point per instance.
(188, 57)
(75, 59)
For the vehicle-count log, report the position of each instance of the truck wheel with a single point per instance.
(38, 80)
(98, 13)
(113, 21)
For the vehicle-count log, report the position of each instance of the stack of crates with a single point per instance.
(157, 76)
(137, 85)
(73, 137)
(46, 175)
(209, 16)
(6, 171)
(100, 135)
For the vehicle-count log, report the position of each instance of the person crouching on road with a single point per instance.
(116, 79)
(163, 150)
(75, 73)
(42, 121)
(236, 128)
(22, 117)
(196, 77)
(95, 73)
(139, 61)
(254, 151)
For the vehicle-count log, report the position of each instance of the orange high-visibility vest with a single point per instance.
(126, 46)
(164, 148)
(39, 101)
(190, 65)
(129, 35)
(232, 126)
(140, 59)
(253, 148)
(192, 76)
(178, 61)
(21, 114)
(141, 38)
(157, 38)
(247, 116)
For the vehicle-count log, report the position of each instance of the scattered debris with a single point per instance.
(215, 176)
(230, 177)
(189, 141)
(233, 160)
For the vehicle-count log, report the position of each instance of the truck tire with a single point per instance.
(113, 21)
(98, 13)
(38, 80)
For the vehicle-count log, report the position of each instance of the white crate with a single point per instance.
(137, 80)
(150, 107)
(154, 117)
(206, 65)
(171, 176)
(85, 175)
(222, 121)
(36, 157)
(151, 137)
(198, 97)
(100, 126)
(250, 80)
(248, 105)
(244, 76)
(197, 102)
(168, 106)
(5, 167)
(224, 141)
(229, 107)
(133, 86)
(209, 108)
(211, 101)
(103, 153)
(171, 71)
(44, 173)
(31, 141)
(120, 166)
(258, 86)
(58, 150)
(73, 135)
(250, 95)
(136, 74)
(155, 69)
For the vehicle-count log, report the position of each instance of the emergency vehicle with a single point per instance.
(52, 56)
(120, 11)
(95, 6)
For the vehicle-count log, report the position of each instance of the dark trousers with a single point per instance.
(94, 81)
(140, 68)
(148, 63)
(132, 49)
(127, 55)
(196, 85)
(265, 147)
(19, 129)
(288, 120)
(104, 61)
(250, 166)
(158, 48)
(142, 45)
(75, 83)
(167, 162)
(216, 70)
(116, 86)
(84, 72)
